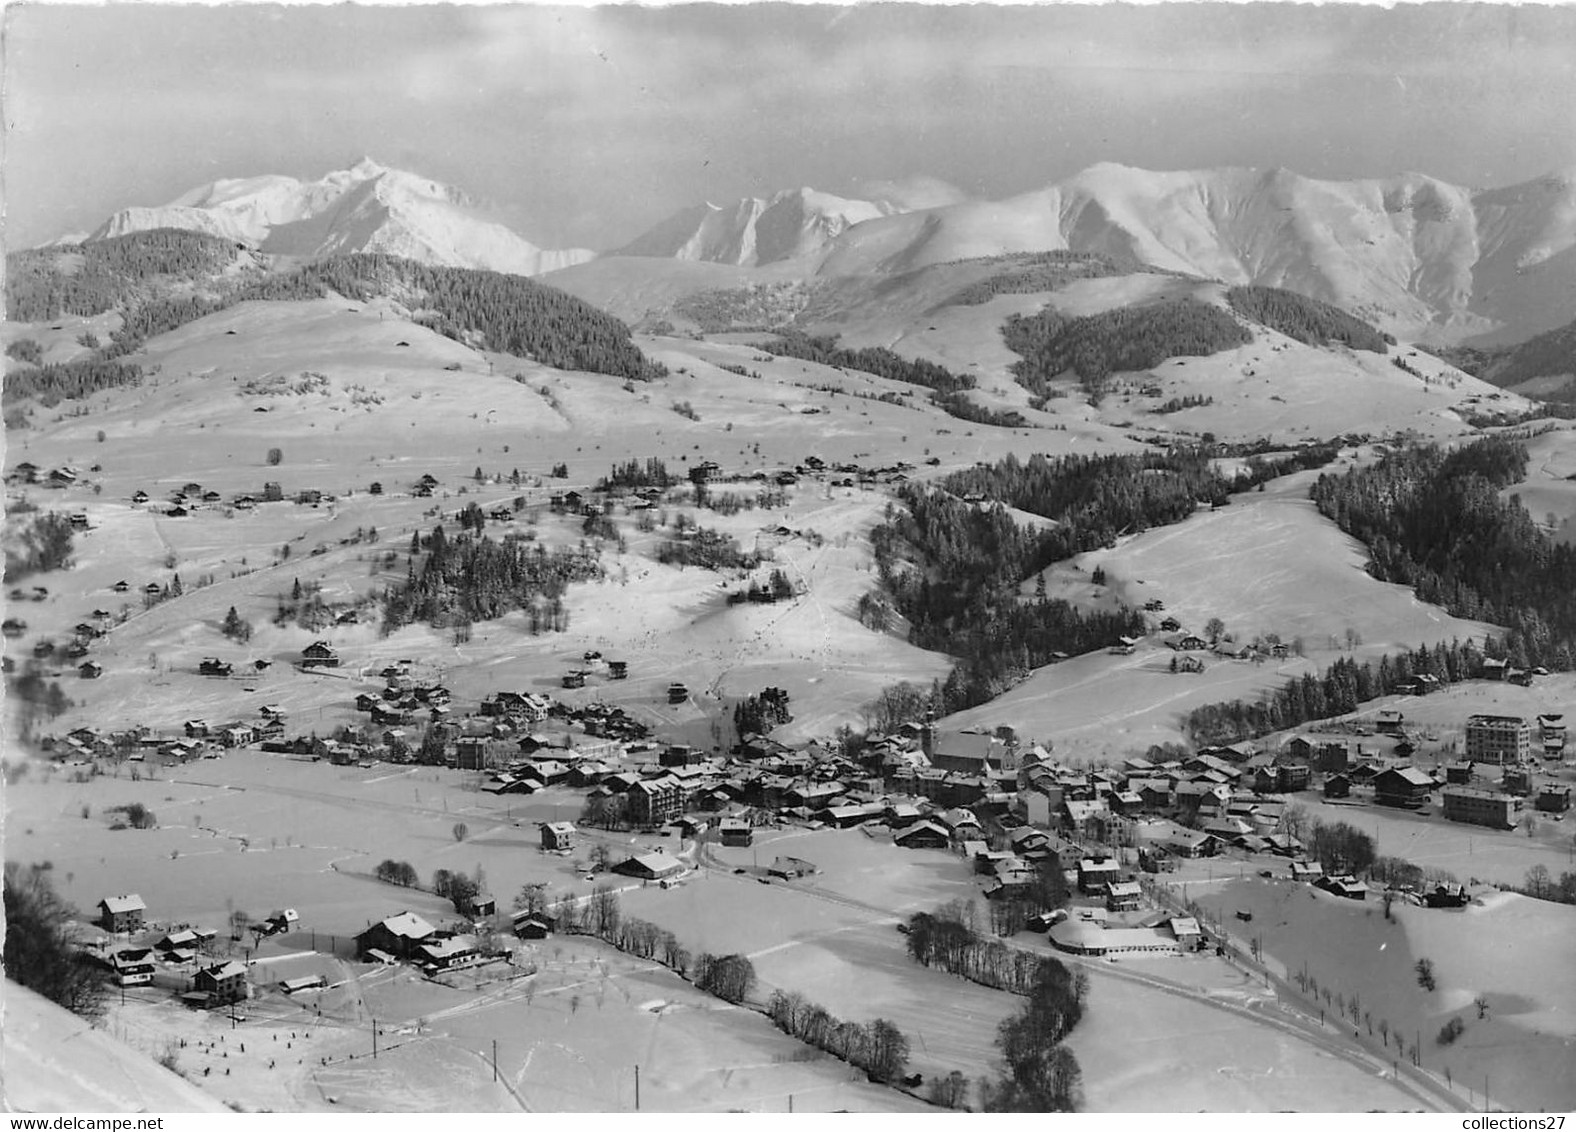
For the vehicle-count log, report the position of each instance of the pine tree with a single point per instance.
(234, 627)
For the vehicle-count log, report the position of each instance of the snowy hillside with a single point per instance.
(367, 208)
(57, 1062)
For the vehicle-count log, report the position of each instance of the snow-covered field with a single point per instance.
(1549, 491)
(58, 1062)
(1513, 951)
(1141, 1047)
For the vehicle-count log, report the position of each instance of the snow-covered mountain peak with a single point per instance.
(367, 207)
(1412, 253)
(754, 231)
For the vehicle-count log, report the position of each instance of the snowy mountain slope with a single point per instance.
(57, 1062)
(754, 232)
(1416, 255)
(367, 208)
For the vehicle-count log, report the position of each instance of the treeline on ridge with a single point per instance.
(1093, 499)
(1128, 338)
(105, 274)
(1035, 272)
(507, 314)
(868, 359)
(1309, 321)
(947, 388)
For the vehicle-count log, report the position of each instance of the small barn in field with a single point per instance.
(533, 925)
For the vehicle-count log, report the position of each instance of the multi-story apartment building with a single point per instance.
(1481, 807)
(1499, 739)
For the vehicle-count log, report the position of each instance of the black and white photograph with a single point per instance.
(783, 558)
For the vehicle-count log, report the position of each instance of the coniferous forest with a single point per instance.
(1095, 498)
(1433, 519)
(1550, 354)
(1034, 272)
(471, 578)
(1128, 338)
(508, 314)
(947, 388)
(870, 359)
(52, 384)
(953, 568)
(1340, 689)
(1307, 320)
(105, 274)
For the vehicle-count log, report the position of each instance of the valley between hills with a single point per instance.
(644, 658)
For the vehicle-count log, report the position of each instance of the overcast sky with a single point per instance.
(584, 126)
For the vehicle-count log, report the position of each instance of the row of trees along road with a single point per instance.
(1040, 1073)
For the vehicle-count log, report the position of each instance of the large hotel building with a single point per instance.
(1500, 739)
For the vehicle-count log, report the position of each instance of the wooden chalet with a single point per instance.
(533, 925)
(319, 654)
(1346, 886)
(133, 966)
(398, 936)
(1404, 787)
(923, 835)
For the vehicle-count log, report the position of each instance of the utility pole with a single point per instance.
(495, 1060)
(637, 1088)
(374, 1039)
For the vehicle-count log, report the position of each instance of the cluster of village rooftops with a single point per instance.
(1005, 807)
